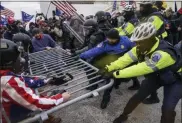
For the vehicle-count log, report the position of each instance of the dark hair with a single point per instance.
(35, 31)
(113, 34)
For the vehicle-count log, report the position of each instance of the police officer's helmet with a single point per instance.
(91, 16)
(100, 16)
(87, 17)
(90, 26)
(91, 23)
(143, 31)
(22, 40)
(8, 52)
(128, 8)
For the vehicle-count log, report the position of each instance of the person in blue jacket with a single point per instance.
(41, 41)
(106, 52)
(114, 44)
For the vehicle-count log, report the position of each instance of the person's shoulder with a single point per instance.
(124, 38)
(45, 35)
(34, 39)
(102, 44)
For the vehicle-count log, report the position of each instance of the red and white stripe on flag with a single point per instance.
(123, 3)
(61, 7)
(70, 6)
(64, 6)
(7, 12)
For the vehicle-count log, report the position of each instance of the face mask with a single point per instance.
(87, 31)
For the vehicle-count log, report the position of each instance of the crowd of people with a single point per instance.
(148, 44)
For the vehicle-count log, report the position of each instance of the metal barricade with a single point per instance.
(57, 62)
(72, 31)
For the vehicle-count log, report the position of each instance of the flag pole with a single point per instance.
(79, 17)
(48, 9)
(77, 14)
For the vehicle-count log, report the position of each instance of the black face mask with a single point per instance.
(128, 15)
(147, 10)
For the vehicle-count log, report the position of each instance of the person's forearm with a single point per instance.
(81, 50)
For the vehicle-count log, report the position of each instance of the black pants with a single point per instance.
(172, 94)
(117, 82)
(148, 86)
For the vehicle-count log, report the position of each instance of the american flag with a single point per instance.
(133, 3)
(113, 14)
(7, 12)
(123, 3)
(114, 6)
(65, 6)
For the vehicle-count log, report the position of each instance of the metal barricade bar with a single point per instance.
(84, 76)
(37, 117)
(68, 82)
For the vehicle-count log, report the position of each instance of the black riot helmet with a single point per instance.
(90, 26)
(100, 16)
(23, 40)
(8, 53)
(91, 16)
(87, 17)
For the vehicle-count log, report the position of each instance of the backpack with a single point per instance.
(178, 49)
(170, 74)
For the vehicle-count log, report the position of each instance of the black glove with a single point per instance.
(102, 72)
(72, 51)
(108, 75)
(105, 74)
(61, 80)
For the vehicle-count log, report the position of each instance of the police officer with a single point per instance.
(130, 21)
(149, 13)
(87, 17)
(14, 91)
(93, 36)
(102, 20)
(106, 52)
(161, 6)
(156, 59)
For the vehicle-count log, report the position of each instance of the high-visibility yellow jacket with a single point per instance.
(128, 27)
(156, 61)
(157, 20)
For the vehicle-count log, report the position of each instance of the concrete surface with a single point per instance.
(88, 110)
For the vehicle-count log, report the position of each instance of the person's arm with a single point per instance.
(124, 61)
(19, 93)
(92, 53)
(158, 61)
(51, 41)
(36, 48)
(128, 42)
(34, 82)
